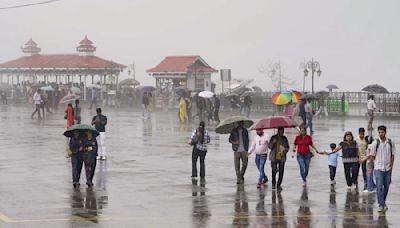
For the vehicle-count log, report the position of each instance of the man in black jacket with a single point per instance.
(239, 139)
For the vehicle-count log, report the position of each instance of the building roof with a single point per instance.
(60, 61)
(182, 64)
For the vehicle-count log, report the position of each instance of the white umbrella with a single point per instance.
(206, 94)
(47, 88)
(97, 86)
(75, 90)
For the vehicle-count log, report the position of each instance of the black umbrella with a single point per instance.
(332, 86)
(181, 91)
(232, 95)
(322, 94)
(257, 89)
(375, 88)
(308, 97)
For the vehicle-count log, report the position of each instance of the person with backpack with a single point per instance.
(199, 140)
(383, 151)
(350, 158)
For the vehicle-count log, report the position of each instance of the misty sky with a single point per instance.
(356, 41)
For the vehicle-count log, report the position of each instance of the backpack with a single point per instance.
(379, 142)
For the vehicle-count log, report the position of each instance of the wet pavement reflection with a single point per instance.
(146, 180)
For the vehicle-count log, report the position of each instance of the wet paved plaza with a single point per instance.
(146, 180)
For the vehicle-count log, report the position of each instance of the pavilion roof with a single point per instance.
(60, 61)
(182, 64)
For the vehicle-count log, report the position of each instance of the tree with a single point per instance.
(279, 81)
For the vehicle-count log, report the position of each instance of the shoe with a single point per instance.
(366, 191)
(259, 185)
(333, 182)
(279, 188)
(385, 207)
(98, 157)
(349, 187)
(76, 185)
(273, 187)
(381, 209)
(239, 181)
(304, 183)
(194, 177)
(89, 184)
(265, 180)
(365, 187)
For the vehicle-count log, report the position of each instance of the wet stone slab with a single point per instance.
(146, 180)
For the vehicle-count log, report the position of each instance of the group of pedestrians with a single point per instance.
(40, 100)
(374, 157)
(207, 109)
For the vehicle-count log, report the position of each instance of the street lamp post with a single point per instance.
(277, 67)
(314, 67)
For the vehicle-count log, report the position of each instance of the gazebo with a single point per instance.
(59, 68)
(191, 72)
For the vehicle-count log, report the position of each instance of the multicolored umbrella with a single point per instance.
(227, 125)
(281, 98)
(80, 127)
(69, 98)
(275, 122)
(296, 96)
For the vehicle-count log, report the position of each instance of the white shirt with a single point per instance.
(383, 154)
(37, 98)
(307, 107)
(371, 105)
(260, 144)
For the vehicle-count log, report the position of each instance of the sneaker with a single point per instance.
(304, 183)
(265, 180)
(98, 157)
(381, 209)
(333, 182)
(104, 158)
(280, 188)
(385, 207)
(366, 191)
(89, 184)
(194, 177)
(349, 187)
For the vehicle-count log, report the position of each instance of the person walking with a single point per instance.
(182, 110)
(100, 121)
(350, 158)
(69, 115)
(303, 144)
(279, 146)
(302, 112)
(78, 110)
(94, 98)
(76, 147)
(216, 106)
(199, 140)
(150, 105)
(309, 116)
(259, 146)
(383, 151)
(371, 108)
(37, 101)
(145, 103)
(89, 157)
(362, 143)
(239, 138)
(322, 107)
(371, 186)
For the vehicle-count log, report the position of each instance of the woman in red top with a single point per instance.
(69, 112)
(302, 143)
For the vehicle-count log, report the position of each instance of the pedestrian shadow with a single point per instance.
(200, 209)
(304, 215)
(278, 210)
(241, 207)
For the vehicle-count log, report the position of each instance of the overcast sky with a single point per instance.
(355, 41)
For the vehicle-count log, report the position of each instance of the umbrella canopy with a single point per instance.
(129, 82)
(275, 122)
(75, 90)
(69, 98)
(257, 89)
(243, 90)
(322, 94)
(375, 89)
(80, 127)
(308, 97)
(181, 91)
(96, 86)
(248, 94)
(206, 94)
(227, 125)
(232, 95)
(147, 89)
(47, 88)
(296, 96)
(332, 86)
(279, 98)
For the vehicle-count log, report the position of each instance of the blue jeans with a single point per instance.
(260, 162)
(370, 182)
(309, 122)
(383, 180)
(304, 163)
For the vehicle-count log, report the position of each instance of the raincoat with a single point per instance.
(150, 107)
(182, 110)
(70, 116)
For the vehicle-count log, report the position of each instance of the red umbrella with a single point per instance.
(275, 122)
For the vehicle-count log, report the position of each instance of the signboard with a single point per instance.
(225, 74)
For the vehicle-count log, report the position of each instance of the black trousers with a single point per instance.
(195, 155)
(332, 172)
(277, 167)
(364, 172)
(351, 172)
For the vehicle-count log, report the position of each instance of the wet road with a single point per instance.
(146, 180)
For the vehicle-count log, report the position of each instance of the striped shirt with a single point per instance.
(383, 154)
(199, 146)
